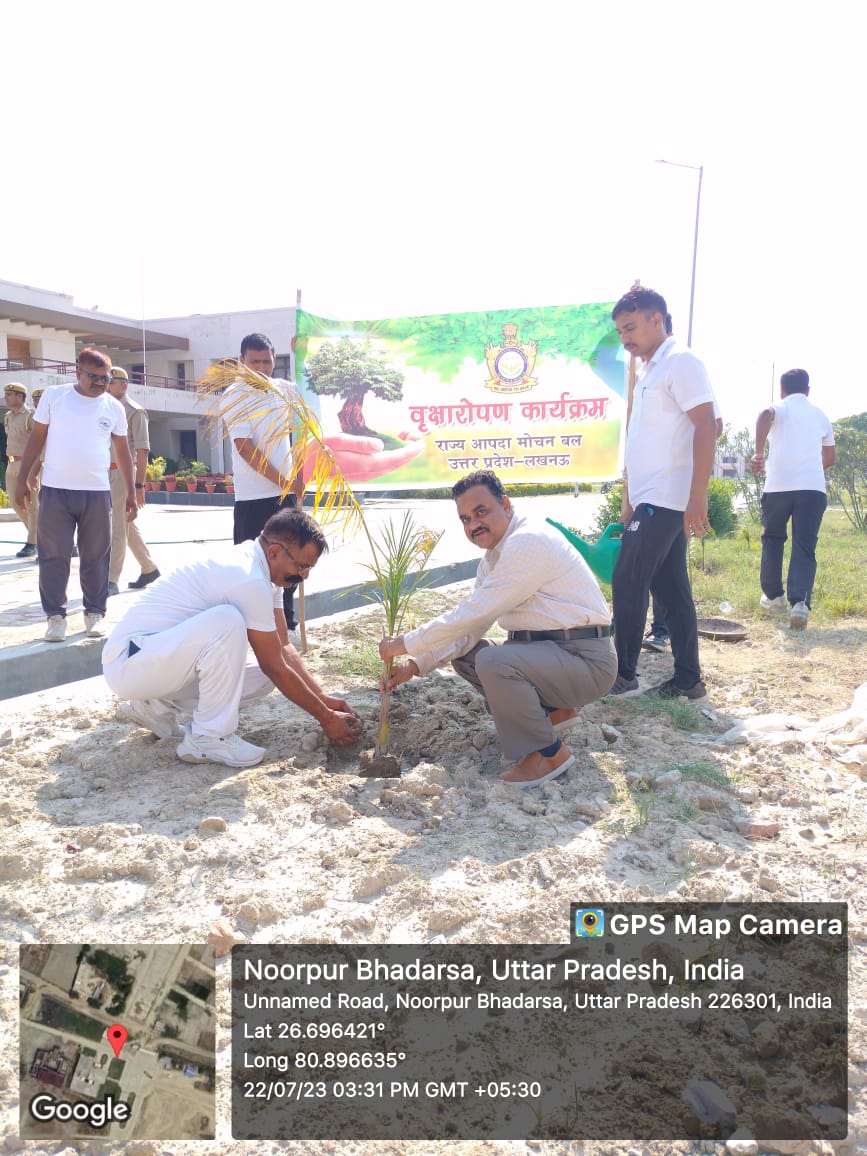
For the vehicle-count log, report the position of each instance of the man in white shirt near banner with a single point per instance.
(183, 646)
(669, 456)
(252, 417)
(802, 448)
(558, 656)
(81, 428)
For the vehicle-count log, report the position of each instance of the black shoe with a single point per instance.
(656, 641)
(28, 550)
(112, 589)
(144, 580)
(669, 689)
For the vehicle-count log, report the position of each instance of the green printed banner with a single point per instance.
(535, 394)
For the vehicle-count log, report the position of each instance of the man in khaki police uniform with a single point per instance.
(18, 422)
(125, 533)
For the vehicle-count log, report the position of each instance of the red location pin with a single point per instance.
(117, 1035)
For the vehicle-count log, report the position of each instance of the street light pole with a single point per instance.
(700, 170)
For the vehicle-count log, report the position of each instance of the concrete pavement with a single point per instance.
(181, 533)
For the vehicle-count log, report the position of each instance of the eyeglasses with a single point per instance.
(102, 378)
(304, 567)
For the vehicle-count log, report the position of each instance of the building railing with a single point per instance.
(67, 368)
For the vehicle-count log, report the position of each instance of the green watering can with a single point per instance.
(600, 556)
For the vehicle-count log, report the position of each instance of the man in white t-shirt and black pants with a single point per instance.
(802, 448)
(669, 456)
(82, 428)
(260, 479)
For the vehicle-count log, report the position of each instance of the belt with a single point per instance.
(11, 459)
(573, 634)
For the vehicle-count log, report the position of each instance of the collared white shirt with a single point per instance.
(799, 431)
(659, 455)
(533, 579)
(257, 421)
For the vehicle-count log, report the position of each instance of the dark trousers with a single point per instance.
(250, 519)
(806, 509)
(657, 619)
(652, 558)
(60, 511)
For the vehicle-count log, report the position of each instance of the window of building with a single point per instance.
(283, 366)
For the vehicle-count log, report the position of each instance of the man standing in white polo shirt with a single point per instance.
(80, 427)
(802, 448)
(669, 456)
(252, 419)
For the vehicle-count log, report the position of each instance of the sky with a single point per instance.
(394, 159)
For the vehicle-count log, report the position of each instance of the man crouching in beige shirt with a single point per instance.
(559, 655)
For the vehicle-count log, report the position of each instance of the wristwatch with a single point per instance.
(139, 485)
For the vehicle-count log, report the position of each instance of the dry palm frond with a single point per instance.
(283, 415)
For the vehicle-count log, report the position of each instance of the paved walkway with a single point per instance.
(178, 534)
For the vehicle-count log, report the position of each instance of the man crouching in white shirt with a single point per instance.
(183, 646)
(559, 655)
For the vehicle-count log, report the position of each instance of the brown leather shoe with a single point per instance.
(534, 769)
(563, 719)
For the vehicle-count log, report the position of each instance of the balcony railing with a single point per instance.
(67, 369)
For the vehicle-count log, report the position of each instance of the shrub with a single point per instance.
(720, 506)
(4, 500)
(609, 511)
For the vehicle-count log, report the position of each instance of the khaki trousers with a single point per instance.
(30, 515)
(124, 533)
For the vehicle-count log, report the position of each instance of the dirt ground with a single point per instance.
(108, 837)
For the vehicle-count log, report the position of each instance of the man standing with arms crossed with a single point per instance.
(259, 476)
(125, 533)
(80, 427)
(18, 422)
(802, 449)
(669, 456)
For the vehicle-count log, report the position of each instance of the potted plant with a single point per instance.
(188, 482)
(156, 468)
(170, 481)
(210, 483)
(229, 483)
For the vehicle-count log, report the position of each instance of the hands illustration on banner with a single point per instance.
(361, 459)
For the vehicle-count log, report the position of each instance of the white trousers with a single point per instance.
(200, 665)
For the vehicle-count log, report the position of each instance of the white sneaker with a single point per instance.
(798, 617)
(774, 605)
(56, 631)
(94, 626)
(151, 715)
(232, 750)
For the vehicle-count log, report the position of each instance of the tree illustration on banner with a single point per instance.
(350, 369)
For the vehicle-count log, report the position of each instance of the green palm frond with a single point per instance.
(394, 557)
(332, 495)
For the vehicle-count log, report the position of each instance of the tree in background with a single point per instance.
(350, 369)
(740, 447)
(848, 476)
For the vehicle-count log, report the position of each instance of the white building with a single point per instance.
(41, 333)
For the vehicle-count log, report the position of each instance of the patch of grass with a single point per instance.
(703, 771)
(731, 573)
(361, 660)
(644, 805)
(679, 712)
